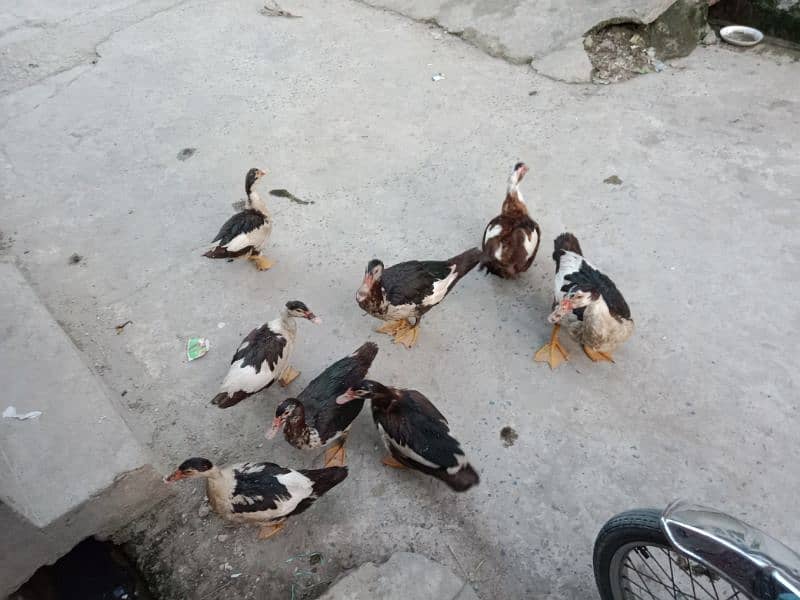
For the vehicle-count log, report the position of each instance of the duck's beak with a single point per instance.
(346, 397)
(313, 318)
(261, 173)
(564, 308)
(175, 476)
(277, 423)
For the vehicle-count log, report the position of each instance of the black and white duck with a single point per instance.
(314, 419)
(246, 232)
(262, 493)
(589, 305)
(511, 239)
(263, 357)
(415, 433)
(410, 289)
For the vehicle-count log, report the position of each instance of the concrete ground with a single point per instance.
(340, 107)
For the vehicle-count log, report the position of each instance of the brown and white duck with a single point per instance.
(410, 289)
(262, 493)
(511, 239)
(415, 433)
(246, 232)
(588, 303)
(314, 419)
(263, 357)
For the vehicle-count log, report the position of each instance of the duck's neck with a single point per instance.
(285, 323)
(217, 489)
(296, 427)
(382, 397)
(254, 201)
(514, 204)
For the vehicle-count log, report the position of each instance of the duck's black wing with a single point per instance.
(242, 222)
(412, 422)
(420, 439)
(319, 397)
(258, 487)
(262, 345)
(411, 282)
(589, 279)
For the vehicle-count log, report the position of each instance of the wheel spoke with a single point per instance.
(645, 589)
(630, 563)
(672, 576)
(713, 596)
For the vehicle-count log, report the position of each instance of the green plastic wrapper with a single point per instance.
(197, 347)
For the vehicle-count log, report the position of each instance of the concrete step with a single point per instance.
(405, 576)
(74, 471)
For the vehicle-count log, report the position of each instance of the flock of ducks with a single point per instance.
(417, 436)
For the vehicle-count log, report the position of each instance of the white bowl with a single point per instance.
(739, 35)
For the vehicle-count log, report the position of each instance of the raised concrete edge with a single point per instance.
(75, 471)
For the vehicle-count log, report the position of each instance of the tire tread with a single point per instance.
(637, 525)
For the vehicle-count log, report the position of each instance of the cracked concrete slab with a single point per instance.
(52, 38)
(546, 34)
(339, 106)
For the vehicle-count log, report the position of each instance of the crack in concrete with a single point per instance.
(93, 55)
(487, 44)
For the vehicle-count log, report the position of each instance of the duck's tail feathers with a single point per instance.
(217, 252)
(489, 264)
(463, 479)
(325, 479)
(566, 242)
(225, 400)
(366, 353)
(222, 252)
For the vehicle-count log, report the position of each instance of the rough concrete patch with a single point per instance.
(617, 53)
(619, 50)
(405, 575)
(569, 65)
(6, 242)
(492, 45)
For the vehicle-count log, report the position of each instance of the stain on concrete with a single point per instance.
(281, 193)
(75, 258)
(186, 153)
(509, 435)
(613, 180)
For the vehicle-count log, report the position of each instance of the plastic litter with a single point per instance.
(276, 11)
(11, 413)
(197, 347)
(437, 76)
